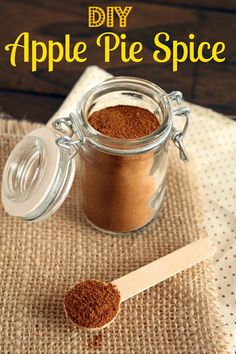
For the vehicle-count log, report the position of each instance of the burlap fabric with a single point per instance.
(40, 261)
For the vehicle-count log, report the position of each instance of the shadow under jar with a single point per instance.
(121, 181)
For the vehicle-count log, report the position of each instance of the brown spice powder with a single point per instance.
(95, 342)
(124, 122)
(92, 303)
(121, 193)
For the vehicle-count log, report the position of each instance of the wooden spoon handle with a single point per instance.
(153, 273)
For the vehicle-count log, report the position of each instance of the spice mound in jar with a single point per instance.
(124, 122)
(92, 304)
(122, 192)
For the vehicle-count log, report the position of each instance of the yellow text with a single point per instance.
(111, 42)
(51, 52)
(97, 16)
(179, 51)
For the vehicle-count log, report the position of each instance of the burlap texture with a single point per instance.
(40, 261)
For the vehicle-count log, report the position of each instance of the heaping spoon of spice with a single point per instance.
(93, 304)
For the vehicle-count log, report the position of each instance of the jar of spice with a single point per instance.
(121, 180)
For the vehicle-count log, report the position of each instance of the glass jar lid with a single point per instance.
(37, 176)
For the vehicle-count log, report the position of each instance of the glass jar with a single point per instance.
(121, 181)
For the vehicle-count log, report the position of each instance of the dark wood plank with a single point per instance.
(226, 110)
(52, 19)
(220, 27)
(212, 5)
(39, 108)
(163, 76)
(216, 88)
(52, 24)
(215, 82)
(35, 108)
(75, 5)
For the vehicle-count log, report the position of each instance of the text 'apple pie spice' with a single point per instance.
(92, 303)
(119, 191)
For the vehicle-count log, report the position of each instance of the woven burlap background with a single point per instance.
(40, 261)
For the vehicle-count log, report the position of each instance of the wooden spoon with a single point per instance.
(163, 268)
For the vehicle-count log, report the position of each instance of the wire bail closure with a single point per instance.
(178, 135)
(66, 125)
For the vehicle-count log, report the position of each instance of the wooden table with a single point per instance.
(35, 96)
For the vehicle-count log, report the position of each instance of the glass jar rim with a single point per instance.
(125, 146)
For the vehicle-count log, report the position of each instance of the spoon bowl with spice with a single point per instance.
(94, 305)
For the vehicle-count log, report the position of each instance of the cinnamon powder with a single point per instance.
(92, 304)
(95, 342)
(122, 193)
(124, 122)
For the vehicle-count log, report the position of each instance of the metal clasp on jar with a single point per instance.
(178, 135)
(67, 126)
